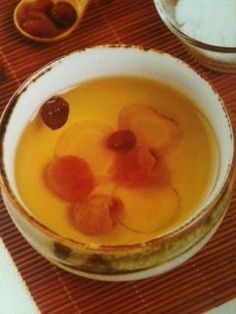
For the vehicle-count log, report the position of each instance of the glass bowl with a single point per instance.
(218, 58)
(121, 262)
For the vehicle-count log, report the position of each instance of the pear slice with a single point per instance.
(87, 140)
(148, 210)
(151, 127)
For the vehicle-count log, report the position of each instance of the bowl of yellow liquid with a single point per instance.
(116, 162)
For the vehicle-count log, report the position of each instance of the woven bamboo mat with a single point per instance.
(208, 279)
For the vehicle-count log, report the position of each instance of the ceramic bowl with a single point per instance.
(79, 7)
(123, 262)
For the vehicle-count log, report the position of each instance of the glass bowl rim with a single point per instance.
(190, 40)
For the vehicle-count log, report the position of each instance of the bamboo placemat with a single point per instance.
(208, 279)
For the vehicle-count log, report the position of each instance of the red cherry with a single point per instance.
(70, 178)
(122, 140)
(55, 112)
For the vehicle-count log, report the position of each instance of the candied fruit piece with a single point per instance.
(63, 14)
(70, 178)
(151, 127)
(41, 6)
(39, 25)
(23, 13)
(121, 140)
(148, 209)
(87, 139)
(97, 215)
(55, 112)
(139, 167)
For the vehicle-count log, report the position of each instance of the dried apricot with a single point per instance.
(63, 14)
(122, 140)
(70, 178)
(55, 112)
(38, 24)
(97, 215)
(41, 5)
(23, 12)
